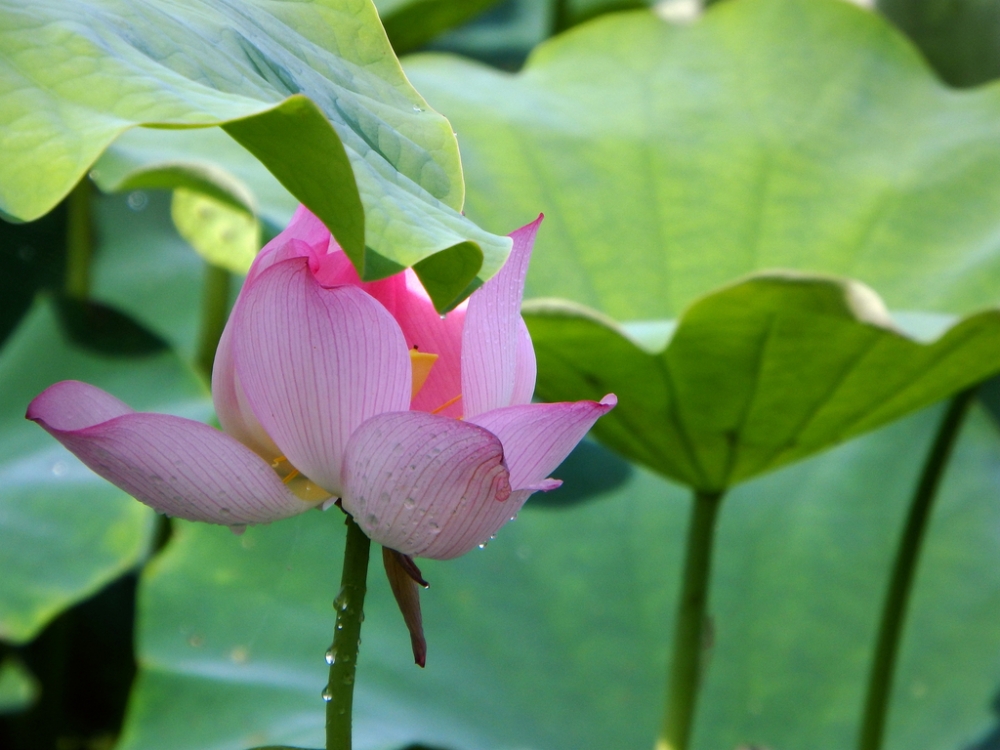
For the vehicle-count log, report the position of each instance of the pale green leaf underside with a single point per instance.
(804, 134)
(759, 374)
(558, 632)
(64, 531)
(204, 160)
(224, 236)
(74, 75)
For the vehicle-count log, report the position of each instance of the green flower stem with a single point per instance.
(343, 654)
(689, 647)
(900, 585)
(79, 240)
(214, 312)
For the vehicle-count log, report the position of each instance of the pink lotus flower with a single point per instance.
(329, 387)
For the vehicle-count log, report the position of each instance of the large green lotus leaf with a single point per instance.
(669, 160)
(64, 532)
(312, 89)
(759, 374)
(959, 37)
(556, 635)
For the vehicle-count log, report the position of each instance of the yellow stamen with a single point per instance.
(446, 404)
(298, 483)
(421, 362)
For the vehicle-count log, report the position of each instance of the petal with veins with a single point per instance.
(525, 368)
(537, 437)
(490, 341)
(315, 363)
(231, 407)
(176, 466)
(426, 485)
(424, 329)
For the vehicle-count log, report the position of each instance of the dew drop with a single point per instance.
(137, 200)
(331, 655)
(483, 545)
(417, 109)
(59, 468)
(327, 694)
(409, 503)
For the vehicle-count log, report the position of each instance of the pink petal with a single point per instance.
(525, 369)
(426, 330)
(490, 341)
(305, 235)
(426, 485)
(537, 437)
(176, 466)
(315, 363)
(231, 407)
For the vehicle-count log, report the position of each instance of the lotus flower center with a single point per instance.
(297, 482)
(421, 363)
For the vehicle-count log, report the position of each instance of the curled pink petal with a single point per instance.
(176, 466)
(490, 341)
(315, 363)
(537, 437)
(427, 485)
(305, 235)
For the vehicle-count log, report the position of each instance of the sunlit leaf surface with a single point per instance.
(556, 634)
(312, 89)
(756, 375)
(669, 160)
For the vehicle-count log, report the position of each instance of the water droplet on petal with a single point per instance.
(483, 545)
(331, 655)
(238, 529)
(327, 694)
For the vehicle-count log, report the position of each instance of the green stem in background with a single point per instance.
(560, 17)
(901, 583)
(79, 240)
(343, 654)
(214, 313)
(689, 637)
